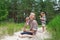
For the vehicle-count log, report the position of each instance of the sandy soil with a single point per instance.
(39, 36)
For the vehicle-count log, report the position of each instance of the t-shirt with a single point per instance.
(33, 25)
(43, 19)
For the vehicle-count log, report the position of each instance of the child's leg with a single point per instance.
(29, 33)
(43, 27)
(24, 36)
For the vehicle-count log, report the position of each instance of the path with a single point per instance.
(39, 36)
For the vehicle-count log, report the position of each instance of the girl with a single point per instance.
(43, 20)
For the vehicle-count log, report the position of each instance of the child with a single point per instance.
(27, 20)
(26, 31)
(43, 20)
(33, 27)
(26, 23)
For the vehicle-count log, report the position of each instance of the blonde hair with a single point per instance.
(27, 18)
(32, 14)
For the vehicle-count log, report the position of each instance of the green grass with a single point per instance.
(10, 27)
(54, 28)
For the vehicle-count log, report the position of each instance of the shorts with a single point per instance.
(43, 24)
(29, 33)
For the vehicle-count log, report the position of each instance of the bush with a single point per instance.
(3, 14)
(3, 10)
(54, 27)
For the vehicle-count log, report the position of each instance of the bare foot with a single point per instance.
(22, 36)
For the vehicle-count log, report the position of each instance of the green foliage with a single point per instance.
(45, 6)
(3, 15)
(3, 10)
(48, 8)
(19, 9)
(54, 27)
(10, 27)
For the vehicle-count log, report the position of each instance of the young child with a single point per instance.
(27, 20)
(43, 20)
(26, 23)
(32, 27)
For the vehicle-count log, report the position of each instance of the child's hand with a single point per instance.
(40, 16)
(21, 28)
(24, 29)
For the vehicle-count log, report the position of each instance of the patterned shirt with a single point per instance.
(33, 25)
(43, 19)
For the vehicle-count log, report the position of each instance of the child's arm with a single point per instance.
(40, 17)
(24, 29)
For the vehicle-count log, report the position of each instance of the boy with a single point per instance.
(33, 27)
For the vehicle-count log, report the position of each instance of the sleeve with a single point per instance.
(45, 18)
(35, 25)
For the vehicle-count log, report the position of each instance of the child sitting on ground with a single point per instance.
(23, 34)
(33, 27)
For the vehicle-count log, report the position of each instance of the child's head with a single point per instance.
(32, 16)
(32, 13)
(42, 13)
(27, 18)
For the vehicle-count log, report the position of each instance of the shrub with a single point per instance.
(54, 27)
